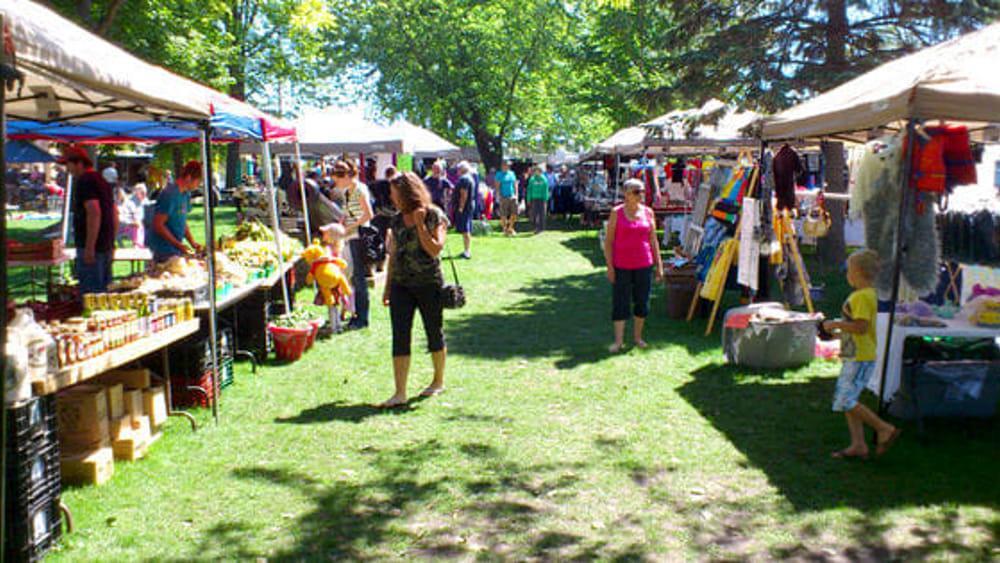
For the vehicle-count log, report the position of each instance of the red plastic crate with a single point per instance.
(184, 391)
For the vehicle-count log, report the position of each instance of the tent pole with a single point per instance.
(302, 190)
(614, 176)
(66, 207)
(210, 264)
(275, 223)
(3, 309)
(897, 258)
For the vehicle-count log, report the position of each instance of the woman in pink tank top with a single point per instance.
(631, 251)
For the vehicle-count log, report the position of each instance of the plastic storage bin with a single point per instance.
(785, 344)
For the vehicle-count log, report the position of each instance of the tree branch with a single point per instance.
(109, 17)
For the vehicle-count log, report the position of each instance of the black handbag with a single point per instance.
(373, 245)
(453, 295)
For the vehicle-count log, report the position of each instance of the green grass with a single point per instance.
(543, 447)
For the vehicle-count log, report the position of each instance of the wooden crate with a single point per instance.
(134, 441)
(88, 468)
(155, 405)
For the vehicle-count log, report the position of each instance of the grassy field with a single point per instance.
(543, 447)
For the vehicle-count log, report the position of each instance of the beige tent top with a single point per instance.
(624, 141)
(958, 80)
(713, 124)
(73, 74)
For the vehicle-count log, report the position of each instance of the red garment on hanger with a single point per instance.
(943, 161)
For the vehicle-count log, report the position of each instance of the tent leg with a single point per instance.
(275, 223)
(3, 310)
(302, 190)
(210, 263)
(66, 207)
(896, 260)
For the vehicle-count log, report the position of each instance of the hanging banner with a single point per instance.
(404, 162)
(749, 259)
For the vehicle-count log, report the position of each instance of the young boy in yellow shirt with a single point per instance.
(858, 352)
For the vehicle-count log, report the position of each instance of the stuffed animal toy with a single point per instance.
(328, 273)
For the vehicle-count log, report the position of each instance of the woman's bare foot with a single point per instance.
(432, 390)
(850, 453)
(394, 402)
(615, 348)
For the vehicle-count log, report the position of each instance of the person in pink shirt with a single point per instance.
(631, 251)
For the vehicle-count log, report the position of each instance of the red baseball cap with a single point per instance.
(76, 154)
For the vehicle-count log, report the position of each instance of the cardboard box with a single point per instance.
(83, 418)
(133, 402)
(134, 441)
(154, 402)
(116, 404)
(120, 428)
(129, 378)
(88, 468)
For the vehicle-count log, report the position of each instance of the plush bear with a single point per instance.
(328, 273)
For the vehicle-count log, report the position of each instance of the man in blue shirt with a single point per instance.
(506, 185)
(169, 218)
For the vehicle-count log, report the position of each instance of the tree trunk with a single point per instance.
(178, 158)
(238, 91)
(837, 28)
(490, 149)
(831, 248)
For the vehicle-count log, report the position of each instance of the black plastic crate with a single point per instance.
(25, 423)
(33, 476)
(33, 532)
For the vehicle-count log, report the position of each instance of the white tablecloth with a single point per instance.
(955, 329)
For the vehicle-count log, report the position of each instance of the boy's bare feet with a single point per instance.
(615, 348)
(850, 453)
(641, 344)
(884, 443)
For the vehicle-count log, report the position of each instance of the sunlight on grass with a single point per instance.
(543, 447)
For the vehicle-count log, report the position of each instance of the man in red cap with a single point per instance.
(95, 221)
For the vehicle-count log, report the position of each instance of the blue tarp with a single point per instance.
(225, 127)
(20, 152)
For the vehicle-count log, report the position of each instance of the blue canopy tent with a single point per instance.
(23, 152)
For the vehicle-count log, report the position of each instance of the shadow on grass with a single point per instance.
(499, 514)
(567, 318)
(347, 412)
(786, 429)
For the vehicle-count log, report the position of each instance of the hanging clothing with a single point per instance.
(942, 159)
(787, 166)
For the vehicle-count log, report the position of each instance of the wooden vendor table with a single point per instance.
(158, 342)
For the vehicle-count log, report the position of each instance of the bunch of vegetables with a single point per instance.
(295, 319)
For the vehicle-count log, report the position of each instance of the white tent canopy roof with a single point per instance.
(624, 141)
(336, 130)
(712, 123)
(422, 142)
(71, 73)
(956, 80)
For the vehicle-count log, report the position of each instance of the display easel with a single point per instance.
(788, 239)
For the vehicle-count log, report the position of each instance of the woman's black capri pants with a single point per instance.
(404, 301)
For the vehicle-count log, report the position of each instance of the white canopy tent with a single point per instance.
(336, 130)
(71, 74)
(624, 141)
(713, 124)
(424, 143)
(955, 80)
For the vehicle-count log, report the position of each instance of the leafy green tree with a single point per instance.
(242, 47)
(492, 72)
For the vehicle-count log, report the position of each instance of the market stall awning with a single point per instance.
(624, 141)
(334, 131)
(70, 73)
(955, 80)
(424, 143)
(22, 152)
(713, 124)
